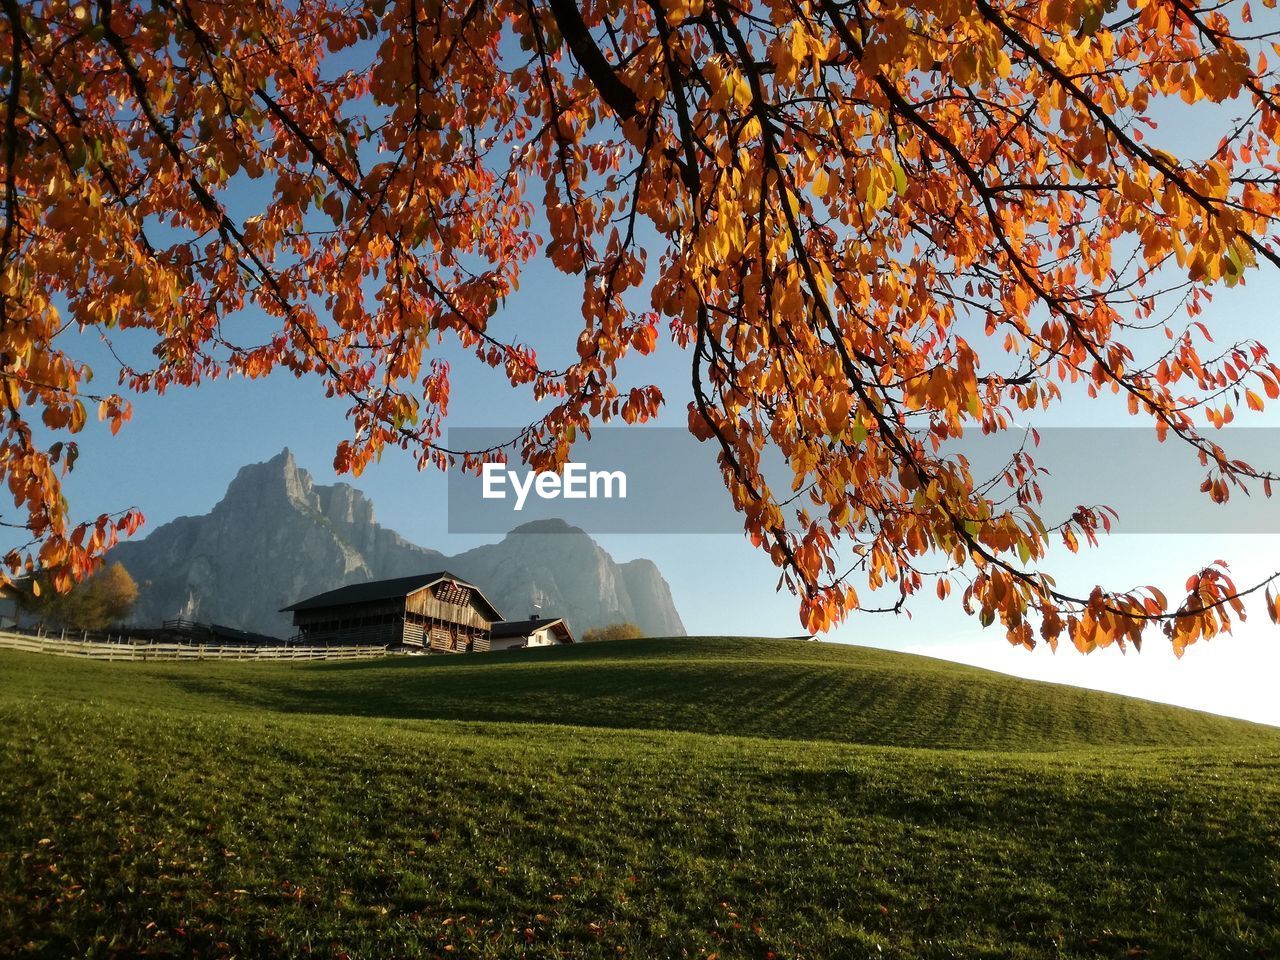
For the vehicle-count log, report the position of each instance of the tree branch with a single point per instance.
(574, 30)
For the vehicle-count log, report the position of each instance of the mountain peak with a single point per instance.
(549, 525)
(271, 480)
(277, 537)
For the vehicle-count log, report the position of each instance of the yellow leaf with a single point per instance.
(822, 182)
(836, 414)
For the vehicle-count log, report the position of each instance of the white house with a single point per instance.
(10, 605)
(534, 632)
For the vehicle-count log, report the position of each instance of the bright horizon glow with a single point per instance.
(1232, 676)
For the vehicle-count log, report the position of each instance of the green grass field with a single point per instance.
(646, 799)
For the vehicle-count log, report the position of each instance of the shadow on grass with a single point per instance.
(778, 689)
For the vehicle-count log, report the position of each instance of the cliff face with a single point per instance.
(557, 567)
(276, 537)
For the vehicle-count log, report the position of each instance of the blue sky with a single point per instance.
(181, 450)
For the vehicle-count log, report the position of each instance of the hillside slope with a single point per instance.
(748, 687)
(231, 810)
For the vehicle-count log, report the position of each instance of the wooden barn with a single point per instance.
(432, 611)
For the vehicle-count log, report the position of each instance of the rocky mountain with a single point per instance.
(558, 568)
(277, 536)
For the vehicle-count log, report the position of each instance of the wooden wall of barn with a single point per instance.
(425, 603)
(443, 617)
(377, 622)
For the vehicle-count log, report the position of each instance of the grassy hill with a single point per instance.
(693, 797)
(715, 685)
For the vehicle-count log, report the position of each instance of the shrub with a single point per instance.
(614, 631)
(94, 604)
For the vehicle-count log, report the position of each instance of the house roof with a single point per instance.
(522, 628)
(230, 634)
(374, 590)
(17, 586)
(223, 632)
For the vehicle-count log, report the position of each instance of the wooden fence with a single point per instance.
(126, 649)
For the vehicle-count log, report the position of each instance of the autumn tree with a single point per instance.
(96, 603)
(870, 224)
(613, 631)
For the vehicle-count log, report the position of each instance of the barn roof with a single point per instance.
(522, 628)
(374, 590)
